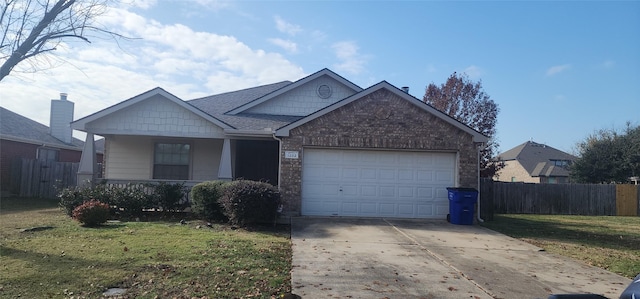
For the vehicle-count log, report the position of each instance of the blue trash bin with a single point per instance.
(462, 203)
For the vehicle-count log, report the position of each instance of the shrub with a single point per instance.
(131, 199)
(204, 200)
(168, 196)
(91, 213)
(249, 202)
(72, 197)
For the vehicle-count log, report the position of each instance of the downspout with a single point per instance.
(281, 207)
(478, 175)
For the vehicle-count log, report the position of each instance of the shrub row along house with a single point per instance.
(330, 146)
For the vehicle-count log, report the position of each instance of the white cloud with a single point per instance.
(183, 61)
(351, 60)
(557, 69)
(286, 27)
(144, 4)
(473, 72)
(287, 45)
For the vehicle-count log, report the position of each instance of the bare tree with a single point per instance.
(467, 102)
(33, 28)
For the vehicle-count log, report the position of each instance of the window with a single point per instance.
(561, 163)
(171, 161)
(48, 154)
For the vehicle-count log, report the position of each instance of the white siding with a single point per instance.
(303, 100)
(155, 116)
(206, 159)
(129, 158)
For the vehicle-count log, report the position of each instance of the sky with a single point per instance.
(558, 71)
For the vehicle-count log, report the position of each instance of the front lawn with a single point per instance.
(608, 242)
(160, 259)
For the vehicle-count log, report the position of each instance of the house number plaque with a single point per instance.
(291, 154)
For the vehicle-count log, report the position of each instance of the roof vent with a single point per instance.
(405, 89)
(324, 91)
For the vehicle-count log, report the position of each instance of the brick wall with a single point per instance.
(381, 120)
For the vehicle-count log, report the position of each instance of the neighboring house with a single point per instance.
(533, 162)
(21, 137)
(330, 146)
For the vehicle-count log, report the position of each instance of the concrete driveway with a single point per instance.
(392, 258)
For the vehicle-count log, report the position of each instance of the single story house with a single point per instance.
(331, 147)
(533, 162)
(21, 137)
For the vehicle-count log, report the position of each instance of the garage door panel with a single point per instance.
(368, 208)
(406, 175)
(444, 176)
(368, 174)
(387, 209)
(350, 173)
(425, 192)
(349, 190)
(376, 183)
(350, 207)
(387, 191)
(406, 192)
(369, 191)
(424, 210)
(425, 176)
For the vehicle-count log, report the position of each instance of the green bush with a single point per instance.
(204, 200)
(168, 196)
(130, 199)
(249, 202)
(91, 213)
(72, 197)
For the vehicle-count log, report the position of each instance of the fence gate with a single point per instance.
(626, 200)
(36, 178)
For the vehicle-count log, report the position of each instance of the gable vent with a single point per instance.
(324, 91)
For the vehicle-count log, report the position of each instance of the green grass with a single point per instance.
(608, 242)
(161, 259)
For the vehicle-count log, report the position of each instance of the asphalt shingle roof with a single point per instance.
(18, 126)
(218, 105)
(536, 158)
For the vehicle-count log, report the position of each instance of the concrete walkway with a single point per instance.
(382, 258)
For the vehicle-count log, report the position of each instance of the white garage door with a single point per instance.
(376, 183)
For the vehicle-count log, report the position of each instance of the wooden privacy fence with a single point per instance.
(36, 178)
(559, 199)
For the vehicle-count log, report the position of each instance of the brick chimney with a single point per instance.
(61, 118)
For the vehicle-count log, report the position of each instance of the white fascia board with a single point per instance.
(294, 85)
(248, 133)
(477, 137)
(81, 124)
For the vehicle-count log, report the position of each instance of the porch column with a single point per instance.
(87, 167)
(225, 171)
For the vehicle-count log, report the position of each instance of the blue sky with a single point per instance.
(558, 70)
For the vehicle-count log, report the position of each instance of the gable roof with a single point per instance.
(218, 105)
(18, 128)
(537, 159)
(81, 124)
(477, 136)
(267, 97)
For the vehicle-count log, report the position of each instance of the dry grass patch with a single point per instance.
(609, 242)
(162, 259)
